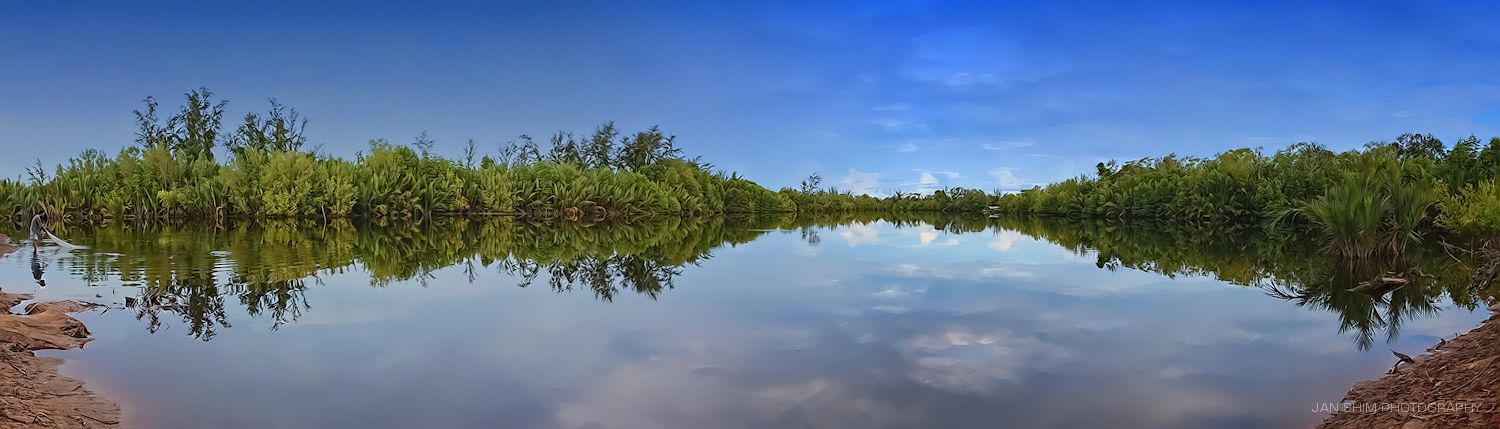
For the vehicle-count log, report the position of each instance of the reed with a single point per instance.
(172, 174)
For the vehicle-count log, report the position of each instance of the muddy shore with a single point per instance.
(1456, 384)
(32, 391)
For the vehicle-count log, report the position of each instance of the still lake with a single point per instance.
(850, 322)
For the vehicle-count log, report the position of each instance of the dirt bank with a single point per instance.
(1455, 385)
(32, 392)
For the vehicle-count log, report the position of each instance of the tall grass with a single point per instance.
(1474, 209)
(1376, 209)
(187, 166)
(1365, 202)
(172, 173)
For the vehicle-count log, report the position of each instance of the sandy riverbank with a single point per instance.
(1456, 384)
(32, 391)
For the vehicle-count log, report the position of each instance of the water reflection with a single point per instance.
(267, 267)
(854, 320)
(1370, 296)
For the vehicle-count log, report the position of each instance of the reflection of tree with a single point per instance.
(810, 236)
(188, 270)
(1364, 302)
(282, 300)
(193, 296)
(605, 277)
(268, 265)
(1369, 295)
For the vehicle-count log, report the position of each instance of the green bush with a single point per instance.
(1474, 209)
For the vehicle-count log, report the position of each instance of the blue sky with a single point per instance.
(875, 95)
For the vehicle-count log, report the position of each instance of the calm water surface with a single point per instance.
(719, 323)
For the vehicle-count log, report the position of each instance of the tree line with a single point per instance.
(171, 173)
(1368, 201)
(1376, 200)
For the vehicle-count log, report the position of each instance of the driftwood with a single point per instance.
(1386, 283)
(1489, 265)
(1487, 262)
(1400, 359)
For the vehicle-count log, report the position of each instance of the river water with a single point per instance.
(851, 322)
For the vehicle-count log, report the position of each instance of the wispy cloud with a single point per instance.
(927, 179)
(1006, 179)
(893, 107)
(962, 57)
(925, 183)
(860, 182)
(908, 148)
(1006, 145)
(899, 125)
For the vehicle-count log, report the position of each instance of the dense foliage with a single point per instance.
(1376, 200)
(171, 173)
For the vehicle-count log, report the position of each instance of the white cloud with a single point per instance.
(1006, 178)
(861, 182)
(975, 57)
(894, 107)
(1006, 144)
(927, 179)
(899, 125)
(908, 148)
(951, 174)
(926, 183)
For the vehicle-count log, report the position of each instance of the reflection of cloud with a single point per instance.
(821, 402)
(858, 235)
(614, 400)
(927, 236)
(807, 250)
(894, 292)
(1004, 239)
(911, 270)
(999, 271)
(967, 362)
